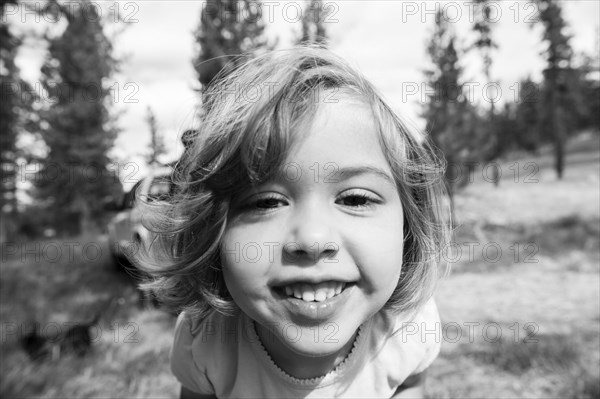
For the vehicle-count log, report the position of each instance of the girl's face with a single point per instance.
(313, 254)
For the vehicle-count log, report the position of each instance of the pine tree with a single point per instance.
(74, 178)
(527, 116)
(558, 77)
(588, 88)
(485, 44)
(15, 111)
(228, 29)
(448, 114)
(313, 28)
(157, 145)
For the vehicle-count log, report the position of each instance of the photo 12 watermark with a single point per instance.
(490, 92)
(53, 93)
(453, 12)
(292, 12)
(57, 12)
(454, 332)
(55, 332)
(71, 172)
(491, 172)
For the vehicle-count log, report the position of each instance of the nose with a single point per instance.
(312, 234)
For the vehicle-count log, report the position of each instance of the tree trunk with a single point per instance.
(496, 135)
(3, 229)
(450, 188)
(556, 122)
(85, 216)
(559, 155)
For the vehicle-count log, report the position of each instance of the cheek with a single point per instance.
(379, 253)
(244, 262)
(230, 262)
(240, 284)
(236, 269)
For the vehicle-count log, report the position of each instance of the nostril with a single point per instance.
(298, 251)
(331, 247)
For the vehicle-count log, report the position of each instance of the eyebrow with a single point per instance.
(352, 171)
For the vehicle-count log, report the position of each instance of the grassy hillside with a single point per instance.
(534, 308)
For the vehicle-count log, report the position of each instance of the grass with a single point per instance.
(131, 344)
(550, 352)
(545, 303)
(556, 291)
(550, 363)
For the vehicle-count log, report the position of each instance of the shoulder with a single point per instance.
(196, 349)
(421, 323)
(424, 331)
(410, 342)
(425, 318)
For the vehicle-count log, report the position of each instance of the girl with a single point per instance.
(301, 246)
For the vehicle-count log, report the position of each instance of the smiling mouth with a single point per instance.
(314, 292)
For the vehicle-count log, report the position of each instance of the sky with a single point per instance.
(385, 40)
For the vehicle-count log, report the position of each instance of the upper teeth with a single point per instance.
(315, 292)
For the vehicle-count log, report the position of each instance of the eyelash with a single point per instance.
(369, 199)
(254, 205)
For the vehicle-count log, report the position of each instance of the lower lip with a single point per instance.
(310, 313)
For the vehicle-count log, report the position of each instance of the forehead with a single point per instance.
(343, 132)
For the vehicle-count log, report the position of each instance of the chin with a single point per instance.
(318, 341)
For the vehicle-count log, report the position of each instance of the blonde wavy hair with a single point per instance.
(247, 128)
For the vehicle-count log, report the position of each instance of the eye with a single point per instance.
(265, 202)
(358, 199)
